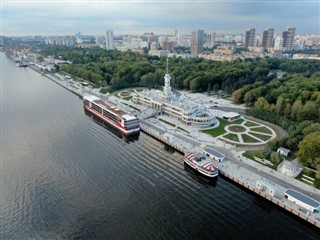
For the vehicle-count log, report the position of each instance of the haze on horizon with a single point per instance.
(66, 17)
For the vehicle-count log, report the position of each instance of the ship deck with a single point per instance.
(110, 108)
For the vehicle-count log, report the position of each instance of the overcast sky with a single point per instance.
(63, 17)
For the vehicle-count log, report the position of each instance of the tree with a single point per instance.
(287, 110)
(261, 103)
(209, 88)
(216, 87)
(309, 111)
(296, 109)
(275, 157)
(237, 96)
(195, 84)
(315, 127)
(309, 149)
(279, 105)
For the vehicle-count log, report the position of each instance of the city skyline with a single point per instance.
(60, 17)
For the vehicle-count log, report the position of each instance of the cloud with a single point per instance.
(94, 17)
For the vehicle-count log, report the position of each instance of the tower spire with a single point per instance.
(167, 94)
(167, 66)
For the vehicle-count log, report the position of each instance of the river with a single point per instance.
(66, 176)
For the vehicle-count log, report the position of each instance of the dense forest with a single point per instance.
(291, 101)
(120, 70)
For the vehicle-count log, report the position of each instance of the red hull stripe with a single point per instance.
(209, 166)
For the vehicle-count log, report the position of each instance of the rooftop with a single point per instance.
(284, 150)
(183, 102)
(213, 152)
(104, 105)
(231, 115)
(303, 198)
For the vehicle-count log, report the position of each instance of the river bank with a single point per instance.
(232, 170)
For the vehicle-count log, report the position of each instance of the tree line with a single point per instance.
(124, 69)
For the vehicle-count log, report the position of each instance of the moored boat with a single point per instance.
(21, 64)
(201, 164)
(111, 114)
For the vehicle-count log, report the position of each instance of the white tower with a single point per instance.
(167, 94)
(278, 42)
(109, 40)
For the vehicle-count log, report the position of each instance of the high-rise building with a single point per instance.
(278, 42)
(249, 40)
(288, 37)
(210, 39)
(109, 40)
(197, 41)
(267, 38)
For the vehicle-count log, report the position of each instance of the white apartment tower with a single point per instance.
(210, 39)
(278, 42)
(109, 40)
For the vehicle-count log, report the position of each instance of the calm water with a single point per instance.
(65, 176)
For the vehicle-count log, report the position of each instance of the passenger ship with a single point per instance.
(112, 115)
(201, 164)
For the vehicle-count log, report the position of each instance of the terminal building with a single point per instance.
(231, 116)
(179, 107)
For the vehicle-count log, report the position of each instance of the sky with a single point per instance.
(66, 17)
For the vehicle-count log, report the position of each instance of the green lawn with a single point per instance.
(252, 154)
(250, 124)
(261, 129)
(232, 137)
(106, 90)
(258, 154)
(239, 121)
(262, 137)
(237, 129)
(127, 98)
(220, 129)
(309, 173)
(247, 139)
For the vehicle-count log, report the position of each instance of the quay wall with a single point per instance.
(242, 183)
(157, 136)
(272, 199)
